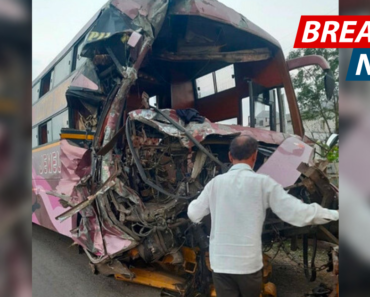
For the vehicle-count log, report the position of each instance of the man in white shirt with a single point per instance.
(237, 202)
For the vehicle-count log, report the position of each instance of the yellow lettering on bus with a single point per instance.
(101, 36)
(98, 36)
(93, 35)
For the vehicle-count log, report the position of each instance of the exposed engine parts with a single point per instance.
(158, 171)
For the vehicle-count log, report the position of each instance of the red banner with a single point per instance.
(333, 31)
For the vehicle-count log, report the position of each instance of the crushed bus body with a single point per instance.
(120, 178)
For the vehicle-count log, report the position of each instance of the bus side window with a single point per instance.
(288, 119)
(63, 68)
(225, 78)
(78, 61)
(265, 104)
(45, 133)
(153, 101)
(35, 139)
(59, 122)
(245, 112)
(46, 83)
(35, 92)
(205, 85)
(215, 82)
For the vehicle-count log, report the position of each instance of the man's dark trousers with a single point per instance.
(238, 285)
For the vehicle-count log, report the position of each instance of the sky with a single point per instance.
(56, 22)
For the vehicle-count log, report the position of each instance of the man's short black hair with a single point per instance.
(243, 147)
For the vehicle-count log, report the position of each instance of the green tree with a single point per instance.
(309, 86)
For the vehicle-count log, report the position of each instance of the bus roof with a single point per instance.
(217, 11)
(210, 9)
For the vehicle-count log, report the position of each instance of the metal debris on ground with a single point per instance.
(320, 291)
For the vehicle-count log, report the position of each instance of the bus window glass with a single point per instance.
(288, 119)
(45, 133)
(63, 69)
(263, 105)
(278, 116)
(79, 60)
(59, 122)
(225, 78)
(46, 83)
(262, 115)
(215, 82)
(245, 112)
(35, 140)
(232, 121)
(205, 86)
(35, 92)
(153, 101)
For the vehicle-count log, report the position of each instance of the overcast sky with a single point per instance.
(56, 22)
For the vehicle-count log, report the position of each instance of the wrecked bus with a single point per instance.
(129, 126)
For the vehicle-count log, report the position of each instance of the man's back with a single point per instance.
(237, 213)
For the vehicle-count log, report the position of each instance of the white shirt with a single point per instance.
(237, 202)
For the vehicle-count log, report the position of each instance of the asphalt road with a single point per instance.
(59, 271)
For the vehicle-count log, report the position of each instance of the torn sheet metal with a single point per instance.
(75, 162)
(287, 157)
(112, 267)
(327, 193)
(120, 18)
(201, 131)
(86, 87)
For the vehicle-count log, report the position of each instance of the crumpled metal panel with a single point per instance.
(129, 7)
(76, 165)
(96, 233)
(201, 131)
(87, 78)
(153, 10)
(287, 157)
(266, 136)
(120, 16)
(46, 207)
(70, 158)
(115, 240)
(88, 234)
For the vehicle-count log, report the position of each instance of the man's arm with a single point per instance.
(294, 211)
(199, 207)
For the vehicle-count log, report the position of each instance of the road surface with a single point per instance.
(59, 271)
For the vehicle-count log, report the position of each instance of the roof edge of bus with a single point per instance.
(220, 12)
(200, 8)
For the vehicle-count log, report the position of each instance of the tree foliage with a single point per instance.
(333, 155)
(309, 86)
